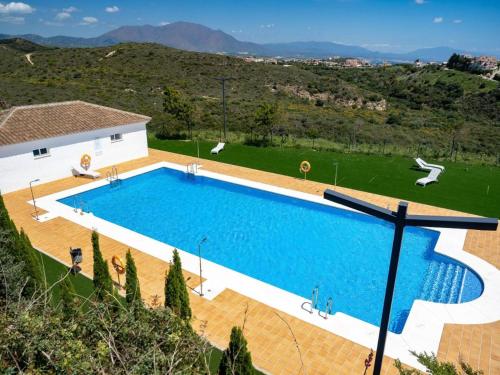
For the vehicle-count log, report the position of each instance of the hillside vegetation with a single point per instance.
(442, 110)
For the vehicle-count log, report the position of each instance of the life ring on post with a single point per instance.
(305, 166)
(85, 161)
(118, 264)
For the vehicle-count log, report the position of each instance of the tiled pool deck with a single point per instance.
(272, 345)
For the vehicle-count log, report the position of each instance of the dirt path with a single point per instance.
(28, 57)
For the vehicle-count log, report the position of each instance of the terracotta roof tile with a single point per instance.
(28, 123)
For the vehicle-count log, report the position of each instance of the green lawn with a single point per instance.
(468, 188)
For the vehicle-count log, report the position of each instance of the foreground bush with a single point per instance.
(436, 367)
(41, 335)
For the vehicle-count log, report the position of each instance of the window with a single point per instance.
(41, 152)
(116, 137)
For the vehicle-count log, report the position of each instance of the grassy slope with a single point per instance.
(461, 187)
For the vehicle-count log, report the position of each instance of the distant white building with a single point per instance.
(45, 141)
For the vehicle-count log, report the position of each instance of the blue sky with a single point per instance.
(385, 25)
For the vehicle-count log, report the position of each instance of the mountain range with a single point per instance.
(194, 37)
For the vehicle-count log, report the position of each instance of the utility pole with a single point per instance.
(223, 81)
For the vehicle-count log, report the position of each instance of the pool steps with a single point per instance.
(443, 282)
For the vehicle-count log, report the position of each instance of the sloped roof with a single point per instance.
(32, 122)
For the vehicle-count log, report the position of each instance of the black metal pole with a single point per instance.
(391, 281)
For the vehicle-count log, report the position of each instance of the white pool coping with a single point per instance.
(425, 323)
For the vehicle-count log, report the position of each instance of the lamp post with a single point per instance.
(198, 149)
(223, 81)
(199, 257)
(401, 219)
(33, 197)
(336, 163)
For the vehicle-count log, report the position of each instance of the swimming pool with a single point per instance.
(290, 243)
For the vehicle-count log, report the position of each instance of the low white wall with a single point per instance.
(18, 165)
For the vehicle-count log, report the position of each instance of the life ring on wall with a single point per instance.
(118, 264)
(305, 166)
(85, 161)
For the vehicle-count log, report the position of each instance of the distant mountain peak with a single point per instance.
(195, 37)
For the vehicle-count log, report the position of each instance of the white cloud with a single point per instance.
(268, 26)
(89, 21)
(16, 8)
(61, 16)
(112, 9)
(163, 23)
(12, 19)
(70, 10)
(438, 19)
(457, 21)
(237, 31)
(420, 2)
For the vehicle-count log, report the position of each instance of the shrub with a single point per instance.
(176, 294)
(436, 367)
(236, 359)
(103, 284)
(132, 288)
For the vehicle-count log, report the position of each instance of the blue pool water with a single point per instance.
(290, 243)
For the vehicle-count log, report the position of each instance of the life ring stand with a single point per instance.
(85, 161)
(305, 167)
(118, 265)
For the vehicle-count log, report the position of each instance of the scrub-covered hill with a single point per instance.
(399, 105)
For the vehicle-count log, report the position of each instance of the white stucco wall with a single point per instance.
(18, 165)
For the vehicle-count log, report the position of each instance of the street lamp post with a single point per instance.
(33, 197)
(199, 257)
(401, 219)
(223, 81)
(336, 169)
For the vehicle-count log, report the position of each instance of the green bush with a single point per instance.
(103, 284)
(236, 359)
(132, 288)
(176, 294)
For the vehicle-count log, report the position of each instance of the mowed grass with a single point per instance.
(468, 188)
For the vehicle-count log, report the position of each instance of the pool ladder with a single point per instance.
(191, 168)
(314, 300)
(112, 177)
(313, 304)
(79, 204)
(328, 308)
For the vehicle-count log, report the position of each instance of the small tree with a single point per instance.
(236, 359)
(265, 118)
(69, 300)
(181, 110)
(176, 294)
(103, 284)
(31, 258)
(132, 288)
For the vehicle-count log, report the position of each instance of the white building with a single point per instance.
(45, 141)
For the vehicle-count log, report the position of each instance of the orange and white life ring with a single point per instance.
(85, 161)
(305, 166)
(118, 264)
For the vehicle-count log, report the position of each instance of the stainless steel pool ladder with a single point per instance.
(112, 177)
(314, 300)
(192, 168)
(328, 308)
(79, 204)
